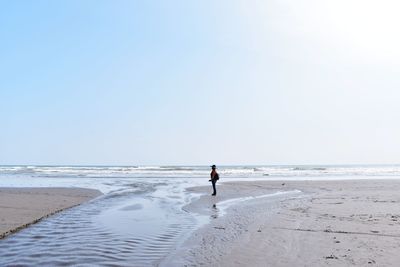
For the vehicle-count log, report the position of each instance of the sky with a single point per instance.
(270, 82)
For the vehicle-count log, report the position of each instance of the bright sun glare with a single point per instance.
(369, 28)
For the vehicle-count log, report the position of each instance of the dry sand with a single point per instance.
(20, 207)
(331, 223)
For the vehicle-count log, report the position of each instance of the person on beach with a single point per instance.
(214, 178)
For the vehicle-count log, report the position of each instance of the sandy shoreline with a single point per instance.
(331, 223)
(308, 223)
(21, 207)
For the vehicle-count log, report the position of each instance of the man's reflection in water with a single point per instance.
(214, 211)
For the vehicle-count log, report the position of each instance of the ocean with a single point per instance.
(140, 218)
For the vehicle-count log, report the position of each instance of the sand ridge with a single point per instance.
(21, 207)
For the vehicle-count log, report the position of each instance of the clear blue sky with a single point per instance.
(199, 82)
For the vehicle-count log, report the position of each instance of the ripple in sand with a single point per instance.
(80, 236)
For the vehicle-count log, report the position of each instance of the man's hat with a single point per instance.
(213, 166)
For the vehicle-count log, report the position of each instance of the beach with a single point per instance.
(21, 207)
(330, 223)
(199, 133)
(166, 216)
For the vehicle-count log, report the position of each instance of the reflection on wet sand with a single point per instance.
(214, 211)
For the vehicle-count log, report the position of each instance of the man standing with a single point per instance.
(214, 178)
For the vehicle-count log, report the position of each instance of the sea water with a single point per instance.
(139, 220)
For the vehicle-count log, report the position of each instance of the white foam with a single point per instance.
(224, 205)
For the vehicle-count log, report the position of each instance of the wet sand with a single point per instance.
(20, 207)
(331, 223)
